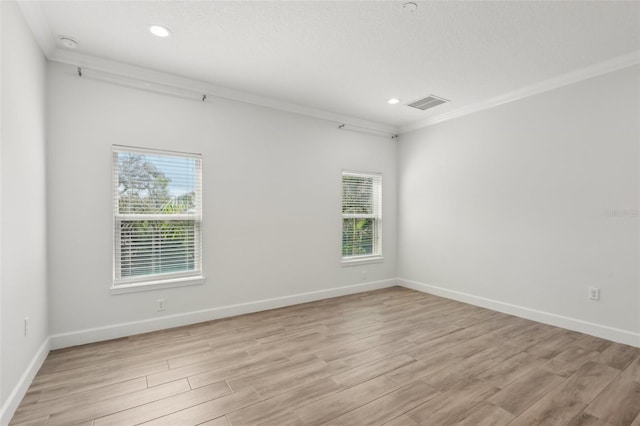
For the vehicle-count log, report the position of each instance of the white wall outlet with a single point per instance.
(364, 275)
(594, 293)
(26, 325)
(161, 304)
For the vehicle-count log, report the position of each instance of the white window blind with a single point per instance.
(157, 210)
(361, 215)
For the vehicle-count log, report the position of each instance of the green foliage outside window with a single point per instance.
(152, 246)
(360, 214)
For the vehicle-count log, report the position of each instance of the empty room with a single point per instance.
(341, 213)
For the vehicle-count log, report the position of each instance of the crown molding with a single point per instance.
(591, 71)
(177, 82)
(36, 20)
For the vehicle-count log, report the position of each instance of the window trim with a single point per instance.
(367, 258)
(157, 284)
(155, 281)
(361, 260)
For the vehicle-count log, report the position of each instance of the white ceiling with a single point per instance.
(349, 57)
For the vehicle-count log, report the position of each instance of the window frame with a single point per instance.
(377, 256)
(163, 280)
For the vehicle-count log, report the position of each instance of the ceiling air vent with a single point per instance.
(428, 102)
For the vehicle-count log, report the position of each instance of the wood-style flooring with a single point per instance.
(392, 357)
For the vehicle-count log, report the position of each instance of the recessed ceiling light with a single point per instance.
(159, 31)
(68, 42)
(394, 101)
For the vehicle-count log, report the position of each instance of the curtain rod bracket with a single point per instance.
(79, 71)
(204, 98)
(366, 130)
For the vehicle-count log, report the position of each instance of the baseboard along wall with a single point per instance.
(15, 397)
(626, 337)
(115, 331)
(63, 340)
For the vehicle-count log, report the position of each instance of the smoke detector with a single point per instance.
(410, 7)
(68, 42)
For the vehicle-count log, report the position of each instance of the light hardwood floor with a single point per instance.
(395, 357)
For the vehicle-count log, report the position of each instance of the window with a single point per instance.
(361, 216)
(157, 214)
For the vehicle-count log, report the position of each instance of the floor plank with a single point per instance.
(618, 404)
(564, 403)
(209, 410)
(277, 409)
(165, 406)
(505, 372)
(618, 356)
(585, 419)
(333, 406)
(525, 391)
(93, 396)
(453, 405)
(220, 421)
(390, 406)
(486, 414)
(633, 370)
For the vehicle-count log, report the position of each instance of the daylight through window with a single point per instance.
(361, 215)
(157, 216)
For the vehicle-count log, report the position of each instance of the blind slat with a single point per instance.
(361, 214)
(157, 202)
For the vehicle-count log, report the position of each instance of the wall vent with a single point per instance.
(428, 102)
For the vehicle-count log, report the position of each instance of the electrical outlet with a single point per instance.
(26, 325)
(364, 275)
(161, 304)
(594, 293)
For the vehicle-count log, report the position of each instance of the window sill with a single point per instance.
(362, 260)
(156, 285)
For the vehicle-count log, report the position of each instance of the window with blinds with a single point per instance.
(361, 215)
(157, 214)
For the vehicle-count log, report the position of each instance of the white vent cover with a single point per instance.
(428, 102)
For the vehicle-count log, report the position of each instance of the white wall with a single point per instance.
(23, 209)
(272, 190)
(511, 207)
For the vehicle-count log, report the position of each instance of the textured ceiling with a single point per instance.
(349, 57)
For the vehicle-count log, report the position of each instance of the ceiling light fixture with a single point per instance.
(68, 42)
(159, 31)
(394, 101)
(410, 7)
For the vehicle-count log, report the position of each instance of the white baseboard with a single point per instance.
(79, 337)
(115, 331)
(13, 401)
(610, 333)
